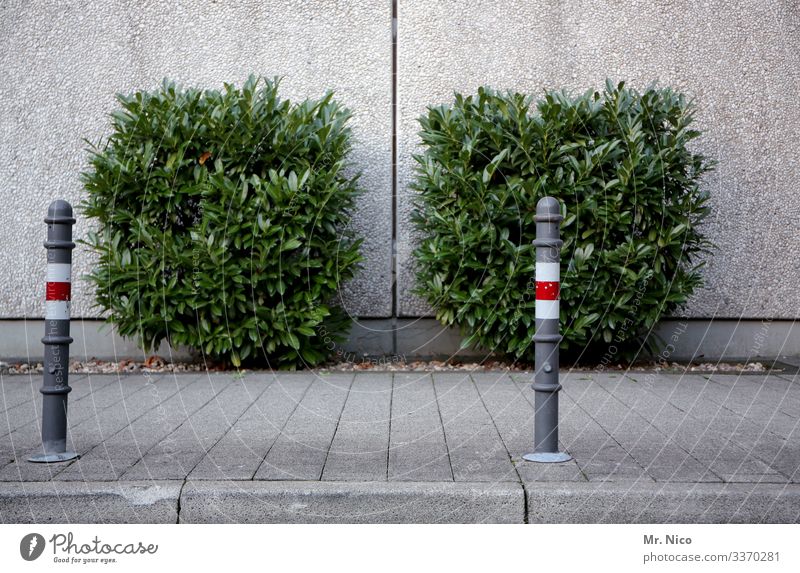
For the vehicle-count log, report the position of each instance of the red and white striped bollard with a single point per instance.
(58, 295)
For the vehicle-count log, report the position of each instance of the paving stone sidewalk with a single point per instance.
(405, 447)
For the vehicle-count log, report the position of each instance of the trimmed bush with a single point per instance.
(221, 221)
(619, 161)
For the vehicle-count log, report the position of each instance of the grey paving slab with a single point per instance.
(662, 503)
(17, 389)
(599, 456)
(27, 412)
(104, 390)
(787, 378)
(748, 413)
(712, 433)
(90, 502)
(661, 456)
(763, 403)
(117, 453)
(240, 452)
(417, 447)
(768, 381)
(477, 452)
(90, 421)
(177, 454)
(709, 436)
(351, 502)
(23, 437)
(300, 451)
(288, 433)
(707, 402)
(87, 434)
(742, 399)
(513, 416)
(360, 448)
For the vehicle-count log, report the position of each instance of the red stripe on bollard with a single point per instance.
(547, 290)
(58, 291)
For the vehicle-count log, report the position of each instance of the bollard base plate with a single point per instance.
(53, 458)
(547, 457)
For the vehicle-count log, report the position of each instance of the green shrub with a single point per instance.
(221, 221)
(621, 165)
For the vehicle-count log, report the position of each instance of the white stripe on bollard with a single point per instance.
(56, 310)
(59, 273)
(547, 309)
(548, 272)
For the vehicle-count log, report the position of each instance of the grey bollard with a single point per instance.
(547, 335)
(55, 388)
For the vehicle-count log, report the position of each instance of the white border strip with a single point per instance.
(547, 309)
(56, 309)
(59, 273)
(548, 272)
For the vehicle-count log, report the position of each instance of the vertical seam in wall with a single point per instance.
(394, 179)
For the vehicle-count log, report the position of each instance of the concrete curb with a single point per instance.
(395, 502)
(605, 502)
(89, 502)
(351, 502)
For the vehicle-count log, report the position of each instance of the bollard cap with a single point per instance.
(548, 209)
(60, 211)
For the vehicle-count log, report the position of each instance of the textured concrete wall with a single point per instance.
(62, 62)
(738, 59)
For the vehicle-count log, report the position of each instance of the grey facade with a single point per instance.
(61, 64)
(739, 60)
